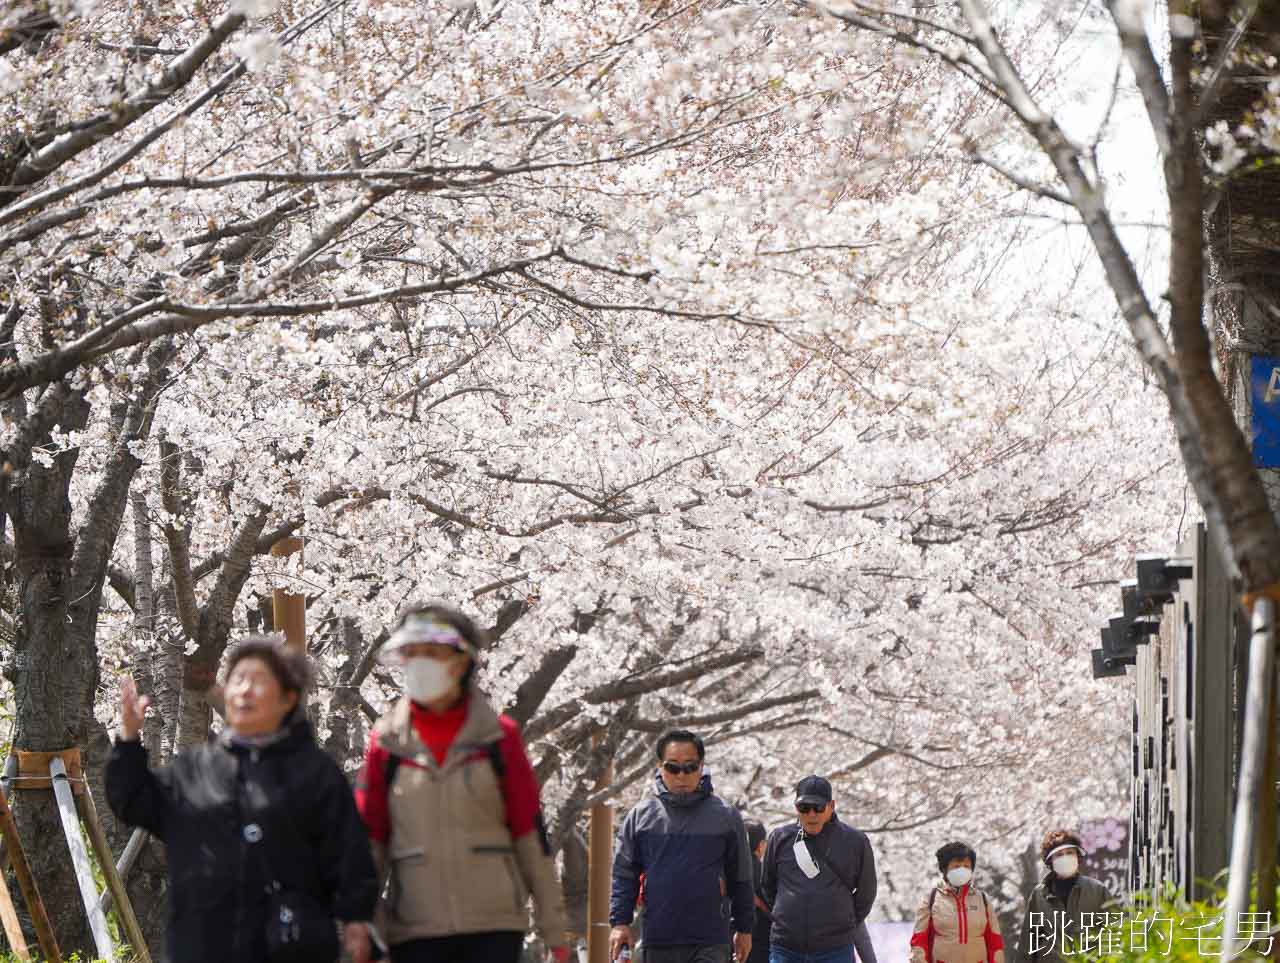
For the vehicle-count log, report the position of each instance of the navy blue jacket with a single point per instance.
(823, 913)
(688, 846)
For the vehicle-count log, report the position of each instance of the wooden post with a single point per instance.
(289, 611)
(115, 884)
(9, 919)
(26, 881)
(599, 872)
(80, 859)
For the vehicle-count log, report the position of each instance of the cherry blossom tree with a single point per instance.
(671, 338)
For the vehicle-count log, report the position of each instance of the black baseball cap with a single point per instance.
(813, 790)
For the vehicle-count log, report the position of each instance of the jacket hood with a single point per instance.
(699, 793)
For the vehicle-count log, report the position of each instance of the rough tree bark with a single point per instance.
(62, 570)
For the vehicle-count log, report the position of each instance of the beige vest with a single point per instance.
(452, 863)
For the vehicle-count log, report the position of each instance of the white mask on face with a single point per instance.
(1066, 865)
(427, 679)
(959, 875)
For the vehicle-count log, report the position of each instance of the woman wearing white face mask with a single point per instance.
(955, 922)
(452, 806)
(1057, 907)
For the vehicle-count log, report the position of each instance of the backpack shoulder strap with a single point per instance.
(494, 751)
(933, 894)
(389, 769)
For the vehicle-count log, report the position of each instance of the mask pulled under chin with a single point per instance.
(804, 858)
(1065, 866)
(427, 680)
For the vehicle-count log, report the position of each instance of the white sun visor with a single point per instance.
(423, 628)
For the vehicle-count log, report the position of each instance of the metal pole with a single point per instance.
(115, 883)
(132, 849)
(1264, 837)
(80, 859)
(1252, 767)
(289, 611)
(22, 870)
(599, 872)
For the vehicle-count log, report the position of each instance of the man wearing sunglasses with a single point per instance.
(819, 876)
(691, 848)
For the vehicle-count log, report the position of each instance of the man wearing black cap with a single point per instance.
(819, 876)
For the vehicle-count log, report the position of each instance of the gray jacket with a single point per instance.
(820, 913)
(1048, 917)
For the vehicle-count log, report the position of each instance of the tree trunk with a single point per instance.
(170, 649)
(56, 671)
(195, 717)
(146, 660)
(346, 722)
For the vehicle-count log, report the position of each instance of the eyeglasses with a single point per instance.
(682, 769)
(807, 808)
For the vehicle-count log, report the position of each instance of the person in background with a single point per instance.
(1056, 910)
(756, 838)
(452, 805)
(691, 848)
(955, 922)
(257, 811)
(819, 877)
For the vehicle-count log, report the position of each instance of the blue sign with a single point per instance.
(1264, 395)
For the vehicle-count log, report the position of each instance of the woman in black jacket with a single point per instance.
(258, 810)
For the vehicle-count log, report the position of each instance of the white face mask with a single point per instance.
(427, 680)
(959, 875)
(1066, 865)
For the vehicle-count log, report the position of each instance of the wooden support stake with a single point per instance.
(27, 883)
(9, 918)
(115, 884)
(80, 859)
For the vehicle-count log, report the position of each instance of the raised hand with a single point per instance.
(133, 708)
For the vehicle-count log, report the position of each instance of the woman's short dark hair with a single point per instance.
(679, 735)
(290, 666)
(956, 850)
(756, 833)
(1058, 837)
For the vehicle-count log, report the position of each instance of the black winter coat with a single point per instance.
(819, 914)
(309, 837)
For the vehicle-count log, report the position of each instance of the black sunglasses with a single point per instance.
(686, 769)
(810, 807)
